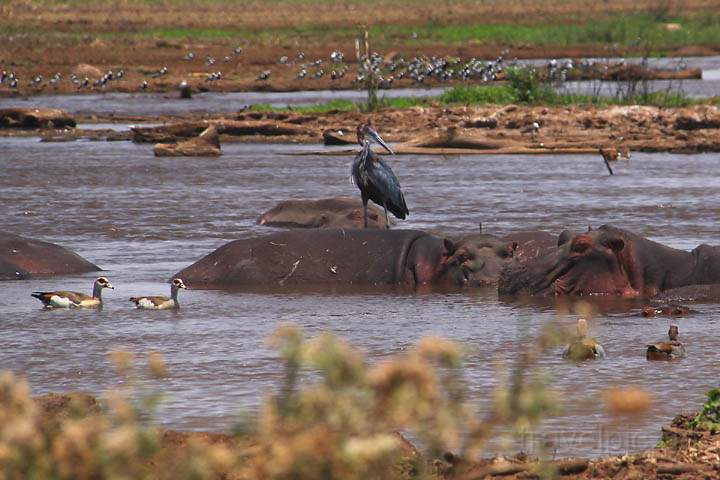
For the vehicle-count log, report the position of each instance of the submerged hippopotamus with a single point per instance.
(21, 258)
(318, 257)
(335, 212)
(611, 261)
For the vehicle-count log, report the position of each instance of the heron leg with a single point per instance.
(387, 222)
(607, 164)
(365, 200)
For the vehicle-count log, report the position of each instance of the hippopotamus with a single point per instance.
(322, 257)
(335, 212)
(530, 244)
(21, 258)
(611, 261)
(483, 256)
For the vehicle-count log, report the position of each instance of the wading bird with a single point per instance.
(375, 178)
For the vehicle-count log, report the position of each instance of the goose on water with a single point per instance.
(158, 302)
(67, 299)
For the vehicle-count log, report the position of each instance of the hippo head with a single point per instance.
(477, 261)
(599, 262)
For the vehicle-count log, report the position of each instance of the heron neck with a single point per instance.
(365, 155)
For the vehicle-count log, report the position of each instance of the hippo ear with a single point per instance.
(581, 244)
(616, 244)
(449, 246)
(564, 237)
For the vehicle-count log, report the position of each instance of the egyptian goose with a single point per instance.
(584, 347)
(161, 303)
(667, 350)
(65, 299)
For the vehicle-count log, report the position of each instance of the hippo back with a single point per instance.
(334, 212)
(21, 257)
(304, 258)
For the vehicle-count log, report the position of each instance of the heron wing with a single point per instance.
(384, 180)
(355, 168)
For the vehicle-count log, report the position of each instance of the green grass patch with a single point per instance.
(344, 105)
(176, 33)
(525, 87)
(478, 95)
(506, 94)
(641, 30)
(627, 30)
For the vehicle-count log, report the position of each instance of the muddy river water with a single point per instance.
(142, 218)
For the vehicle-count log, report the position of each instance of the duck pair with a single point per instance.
(587, 348)
(67, 299)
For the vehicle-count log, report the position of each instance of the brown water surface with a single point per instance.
(143, 218)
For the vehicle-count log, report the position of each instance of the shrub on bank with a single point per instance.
(709, 417)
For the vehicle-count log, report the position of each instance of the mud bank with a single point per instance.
(446, 131)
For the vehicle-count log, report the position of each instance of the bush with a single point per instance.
(709, 416)
(528, 87)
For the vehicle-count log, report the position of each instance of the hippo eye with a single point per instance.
(581, 244)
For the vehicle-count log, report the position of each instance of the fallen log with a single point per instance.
(207, 144)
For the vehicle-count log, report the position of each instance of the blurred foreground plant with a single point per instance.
(40, 440)
(345, 424)
(333, 416)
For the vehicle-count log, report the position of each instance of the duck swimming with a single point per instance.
(584, 347)
(670, 350)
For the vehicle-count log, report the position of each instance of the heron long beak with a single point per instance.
(376, 138)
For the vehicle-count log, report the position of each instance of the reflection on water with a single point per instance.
(143, 218)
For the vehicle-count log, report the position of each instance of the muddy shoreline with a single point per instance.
(440, 130)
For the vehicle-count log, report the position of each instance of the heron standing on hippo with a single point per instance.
(374, 178)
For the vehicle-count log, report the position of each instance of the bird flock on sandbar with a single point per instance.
(386, 70)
